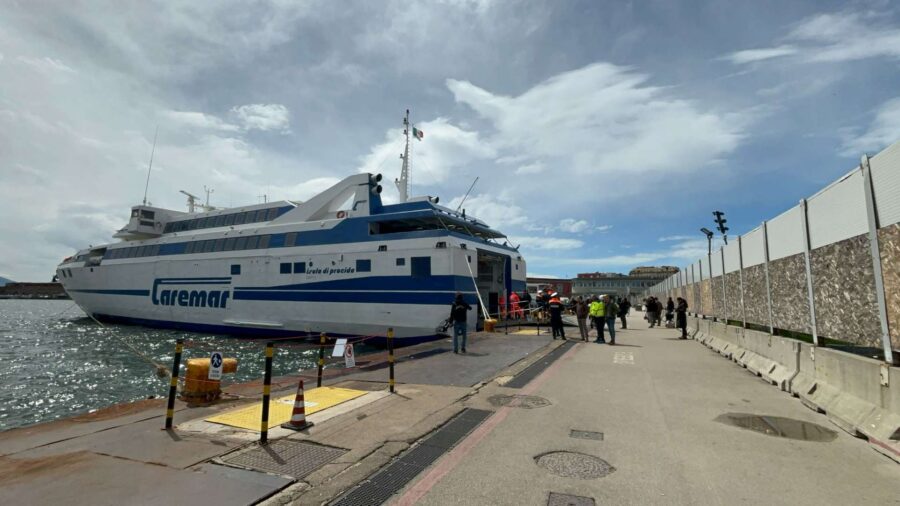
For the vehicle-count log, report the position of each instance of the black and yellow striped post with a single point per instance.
(173, 383)
(390, 344)
(321, 359)
(267, 392)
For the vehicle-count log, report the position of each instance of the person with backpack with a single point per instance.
(556, 310)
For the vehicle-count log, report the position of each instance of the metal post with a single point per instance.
(765, 231)
(173, 384)
(724, 300)
(741, 275)
(810, 294)
(267, 392)
(700, 302)
(693, 282)
(321, 359)
(390, 343)
(869, 190)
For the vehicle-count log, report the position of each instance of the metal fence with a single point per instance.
(828, 267)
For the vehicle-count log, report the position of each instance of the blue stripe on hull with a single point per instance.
(252, 332)
(429, 298)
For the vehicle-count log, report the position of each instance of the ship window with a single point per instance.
(401, 261)
(132, 252)
(220, 220)
(299, 267)
(192, 225)
(190, 247)
(134, 213)
(363, 265)
(273, 213)
(441, 244)
(148, 215)
(229, 220)
(252, 242)
(208, 246)
(168, 228)
(286, 268)
(229, 244)
(290, 239)
(201, 222)
(517, 266)
(241, 243)
(235, 269)
(220, 243)
(264, 241)
(382, 247)
(239, 218)
(260, 215)
(154, 251)
(420, 267)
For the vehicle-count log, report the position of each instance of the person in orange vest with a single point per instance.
(502, 304)
(556, 311)
(514, 305)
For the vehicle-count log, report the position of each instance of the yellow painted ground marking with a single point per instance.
(530, 332)
(280, 409)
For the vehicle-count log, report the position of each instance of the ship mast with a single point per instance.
(403, 182)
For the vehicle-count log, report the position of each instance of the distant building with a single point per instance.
(620, 285)
(32, 291)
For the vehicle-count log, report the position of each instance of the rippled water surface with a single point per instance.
(57, 362)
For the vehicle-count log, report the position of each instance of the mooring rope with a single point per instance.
(161, 370)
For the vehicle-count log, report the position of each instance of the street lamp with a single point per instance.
(709, 236)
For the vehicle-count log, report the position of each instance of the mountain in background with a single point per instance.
(4, 281)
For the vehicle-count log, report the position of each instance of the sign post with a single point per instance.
(215, 366)
(349, 358)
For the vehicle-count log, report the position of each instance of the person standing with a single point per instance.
(598, 314)
(459, 314)
(610, 309)
(670, 311)
(681, 317)
(624, 307)
(651, 311)
(555, 306)
(514, 305)
(525, 302)
(581, 313)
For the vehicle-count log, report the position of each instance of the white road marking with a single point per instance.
(623, 357)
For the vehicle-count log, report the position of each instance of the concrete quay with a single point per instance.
(658, 402)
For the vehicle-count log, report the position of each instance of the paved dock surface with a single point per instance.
(648, 408)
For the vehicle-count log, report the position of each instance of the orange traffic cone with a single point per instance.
(298, 417)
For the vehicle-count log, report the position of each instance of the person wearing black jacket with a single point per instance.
(624, 307)
(681, 317)
(458, 315)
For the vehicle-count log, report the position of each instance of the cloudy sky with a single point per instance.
(603, 133)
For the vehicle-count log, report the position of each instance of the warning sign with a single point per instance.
(349, 358)
(339, 347)
(215, 365)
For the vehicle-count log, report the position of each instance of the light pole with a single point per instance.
(709, 237)
(720, 224)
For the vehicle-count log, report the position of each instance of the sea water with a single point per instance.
(57, 362)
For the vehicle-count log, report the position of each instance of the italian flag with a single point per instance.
(418, 134)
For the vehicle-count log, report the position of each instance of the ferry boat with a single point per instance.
(342, 262)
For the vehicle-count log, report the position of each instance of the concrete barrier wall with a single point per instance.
(844, 288)
(889, 242)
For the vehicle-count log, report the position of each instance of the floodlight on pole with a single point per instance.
(720, 224)
(709, 235)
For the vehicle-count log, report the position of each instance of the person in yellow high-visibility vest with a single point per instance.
(597, 311)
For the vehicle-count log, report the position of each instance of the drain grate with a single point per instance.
(285, 457)
(569, 500)
(586, 434)
(379, 487)
(532, 371)
(518, 401)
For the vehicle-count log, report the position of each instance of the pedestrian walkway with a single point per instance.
(649, 408)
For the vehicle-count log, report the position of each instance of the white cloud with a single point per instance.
(595, 117)
(445, 149)
(884, 130)
(603, 228)
(832, 37)
(199, 120)
(676, 238)
(46, 64)
(546, 276)
(545, 243)
(497, 211)
(263, 117)
(306, 189)
(573, 226)
(531, 168)
(754, 55)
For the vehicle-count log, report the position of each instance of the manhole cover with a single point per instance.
(574, 465)
(586, 434)
(285, 457)
(518, 401)
(569, 500)
(778, 426)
